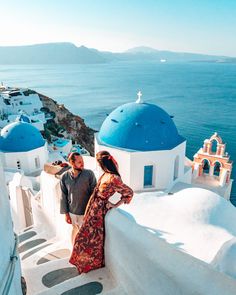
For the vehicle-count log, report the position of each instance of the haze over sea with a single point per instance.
(201, 96)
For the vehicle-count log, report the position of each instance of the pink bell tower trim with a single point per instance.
(211, 162)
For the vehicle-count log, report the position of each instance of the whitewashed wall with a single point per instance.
(163, 162)
(50, 206)
(146, 264)
(132, 164)
(27, 159)
(17, 206)
(7, 241)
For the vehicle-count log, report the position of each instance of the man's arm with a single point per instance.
(92, 182)
(64, 197)
(64, 201)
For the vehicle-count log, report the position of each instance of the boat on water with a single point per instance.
(162, 60)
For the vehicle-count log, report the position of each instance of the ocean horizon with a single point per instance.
(201, 96)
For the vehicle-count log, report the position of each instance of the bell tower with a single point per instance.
(212, 166)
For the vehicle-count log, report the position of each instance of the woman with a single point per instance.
(88, 250)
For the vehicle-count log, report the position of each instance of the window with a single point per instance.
(148, 175)
(37, 163)
(217, 167)
(28, 92)
(12, 94)
(6, 101)
(18, 164)
(206, 166)
(176, 168)
(214, 144)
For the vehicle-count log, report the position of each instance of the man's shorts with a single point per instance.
(77, 220)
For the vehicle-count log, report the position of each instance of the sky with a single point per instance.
(200, 26)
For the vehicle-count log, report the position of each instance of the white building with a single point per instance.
(23, 147)
(17, 101)
(145, 141)
(61, 145)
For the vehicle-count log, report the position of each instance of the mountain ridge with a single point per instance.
(69, 53)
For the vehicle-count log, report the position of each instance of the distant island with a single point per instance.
(68, 53)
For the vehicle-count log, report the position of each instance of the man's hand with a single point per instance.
(68, 218)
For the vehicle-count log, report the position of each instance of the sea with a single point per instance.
(200, 95)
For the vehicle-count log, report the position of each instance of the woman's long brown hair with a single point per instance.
(107, 162)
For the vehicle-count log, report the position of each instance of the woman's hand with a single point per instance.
(109, 205)
(127, 200)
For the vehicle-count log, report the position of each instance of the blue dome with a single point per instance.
(23, 118)
(20, 137)
(140, 127)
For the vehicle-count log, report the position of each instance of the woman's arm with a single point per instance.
(125, 191)
(111, 205)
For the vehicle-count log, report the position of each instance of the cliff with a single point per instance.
(73, 125)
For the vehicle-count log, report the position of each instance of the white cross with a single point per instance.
(139, 97)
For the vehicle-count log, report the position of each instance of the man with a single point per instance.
(77, 185)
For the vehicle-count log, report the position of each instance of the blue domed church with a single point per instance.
(23, 147)
(146, 143)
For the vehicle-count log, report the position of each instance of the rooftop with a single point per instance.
(141, 127)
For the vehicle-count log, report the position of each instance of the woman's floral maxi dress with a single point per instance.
(88, 250)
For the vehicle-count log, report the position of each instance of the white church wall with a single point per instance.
(160, 267)
(28, 161)
(163, 162)
(2, 159)
(123, 159)
(6, 247)
(16, 160)
(90, 162)
(187, 177)
(163, 167)
(138, 161)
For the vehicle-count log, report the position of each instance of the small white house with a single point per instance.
(23, 147)
(17, 101)
(146, 143)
